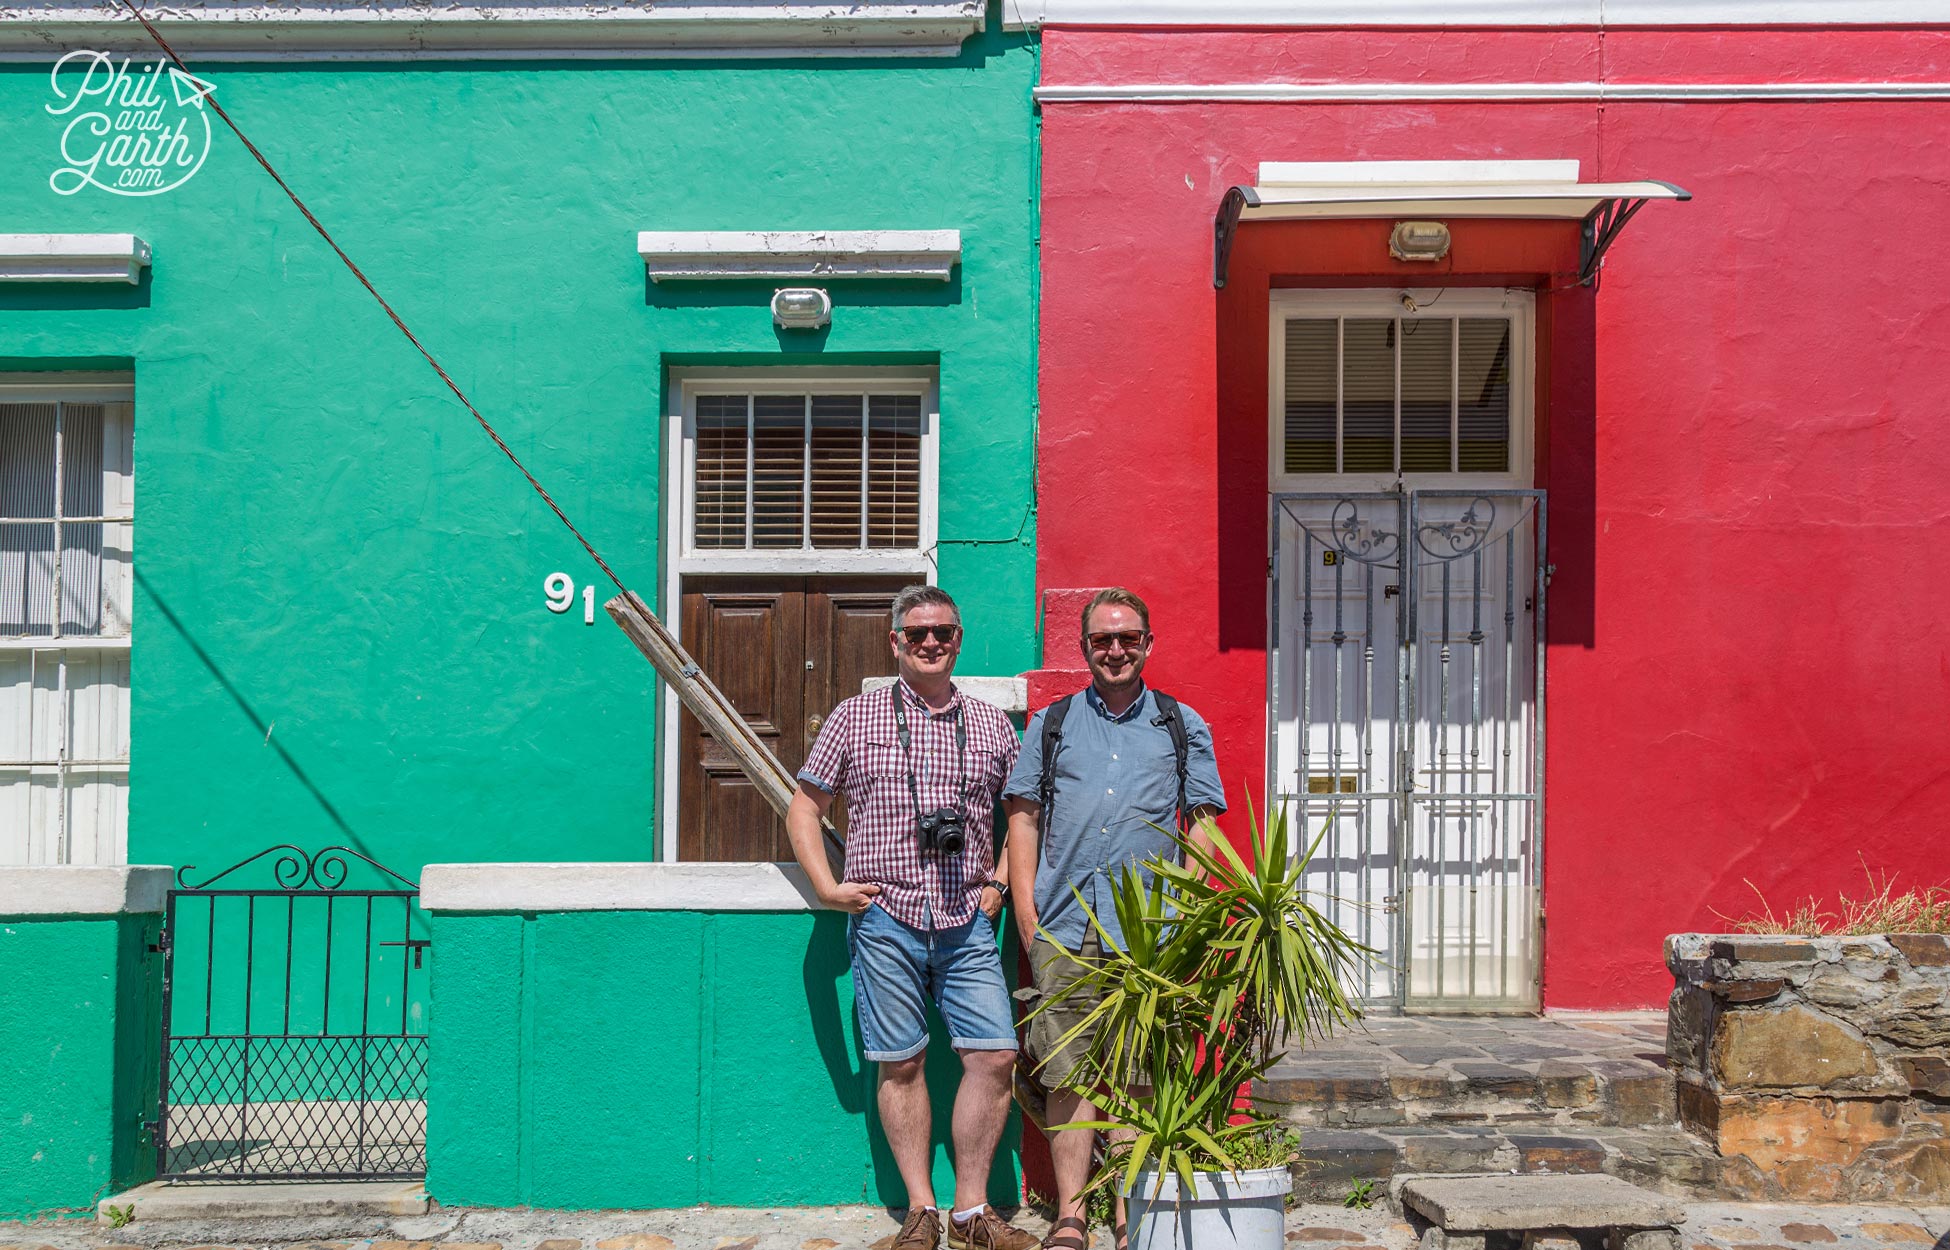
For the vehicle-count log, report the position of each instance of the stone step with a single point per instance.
(1614, 1092)
(1664, 1158)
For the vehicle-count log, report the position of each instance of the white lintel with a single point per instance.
(72, 258)
(1411, 173)
(615, 887)
(1011, 694)
(798, 255)
(492, 29)
(82, 889)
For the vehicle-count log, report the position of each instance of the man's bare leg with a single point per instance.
(1120, 1219)
(1069, 1153)
(909, 1122)
(981, 1110)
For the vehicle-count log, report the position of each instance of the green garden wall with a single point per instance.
(642, 1059)
(340, 633)
(79, 1011)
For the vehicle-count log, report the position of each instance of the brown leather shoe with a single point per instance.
(920, 1231)
(989, 1231)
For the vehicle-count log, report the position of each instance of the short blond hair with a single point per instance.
(1116, 596)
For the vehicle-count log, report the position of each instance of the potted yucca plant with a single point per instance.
(1225, 964)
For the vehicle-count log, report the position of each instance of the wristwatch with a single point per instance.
(1000, 887)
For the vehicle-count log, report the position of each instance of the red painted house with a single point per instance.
(1569, 566)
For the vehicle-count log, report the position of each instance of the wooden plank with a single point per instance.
(706, 702)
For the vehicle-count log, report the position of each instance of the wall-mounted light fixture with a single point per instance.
(801, 308)
(1419, 240)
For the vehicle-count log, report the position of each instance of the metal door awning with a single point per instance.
(1537, 190)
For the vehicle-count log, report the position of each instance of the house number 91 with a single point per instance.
(559, 592)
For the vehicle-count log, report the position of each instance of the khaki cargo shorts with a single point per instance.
(1051, 973)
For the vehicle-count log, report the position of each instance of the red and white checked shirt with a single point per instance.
(858, 753)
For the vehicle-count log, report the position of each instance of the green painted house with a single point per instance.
(264, 580)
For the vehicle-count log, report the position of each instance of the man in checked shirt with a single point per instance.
(913, 759)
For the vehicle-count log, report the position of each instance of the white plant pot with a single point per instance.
(1224, 1211)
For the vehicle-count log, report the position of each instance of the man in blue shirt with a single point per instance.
(1116, 796)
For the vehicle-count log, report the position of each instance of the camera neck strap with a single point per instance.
(907, 751)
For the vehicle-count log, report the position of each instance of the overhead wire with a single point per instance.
(212, 103)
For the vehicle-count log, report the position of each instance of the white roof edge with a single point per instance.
(1032, 14)
(1542, 200)
(1648, 189)
(83, 889)
(325, 29)
(648, 886)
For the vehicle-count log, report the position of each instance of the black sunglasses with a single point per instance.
(918, 634)
(1129, 639)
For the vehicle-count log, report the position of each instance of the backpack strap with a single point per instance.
(1174, 722)
(1052, 743)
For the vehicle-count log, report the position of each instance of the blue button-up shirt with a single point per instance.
(1116, 801)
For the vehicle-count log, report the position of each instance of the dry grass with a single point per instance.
(1880, 910)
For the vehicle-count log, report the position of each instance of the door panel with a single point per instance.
(785, 652)
(751, 640)
(1471, 882)
(1340, 712)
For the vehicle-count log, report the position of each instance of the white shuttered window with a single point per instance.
(1365, 384)
(806, 471)
(66, 544)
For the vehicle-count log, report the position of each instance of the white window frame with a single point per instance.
(1435, 302)
(71, 388)
(682, 559)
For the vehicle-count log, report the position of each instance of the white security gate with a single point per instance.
(1407, 707)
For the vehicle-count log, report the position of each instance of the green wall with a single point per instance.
(79, 1011)
(340, 633)
(661, 1059)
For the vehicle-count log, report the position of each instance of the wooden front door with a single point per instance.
(785, 651)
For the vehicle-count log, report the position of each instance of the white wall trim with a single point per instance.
(1011, 694)
(83, 889)
(76, 387)
(615, 887)
(1030, 14)
(819, 562)
(794, 255)
(393, 29)
(1432, 92)
(72, 258)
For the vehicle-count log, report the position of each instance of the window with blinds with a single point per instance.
(1384, 394)
(802, 471)
(66, 521)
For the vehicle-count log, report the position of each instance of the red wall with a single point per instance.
(1745, 435)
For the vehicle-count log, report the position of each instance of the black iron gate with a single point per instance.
(294, 1022)
(1408, 707)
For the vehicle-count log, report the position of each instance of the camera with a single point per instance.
(943, 832)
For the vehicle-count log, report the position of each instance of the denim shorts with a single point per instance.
(896, 970)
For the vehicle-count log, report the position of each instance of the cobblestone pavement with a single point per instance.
(1709, 1226)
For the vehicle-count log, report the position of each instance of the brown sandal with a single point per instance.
(1062, 1241)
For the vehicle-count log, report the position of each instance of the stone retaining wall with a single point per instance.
(1818, 1067)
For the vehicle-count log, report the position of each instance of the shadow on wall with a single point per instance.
(854, 1078)
(325, 804)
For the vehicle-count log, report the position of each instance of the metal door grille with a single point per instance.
(294, 1025)
(1407, 722)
